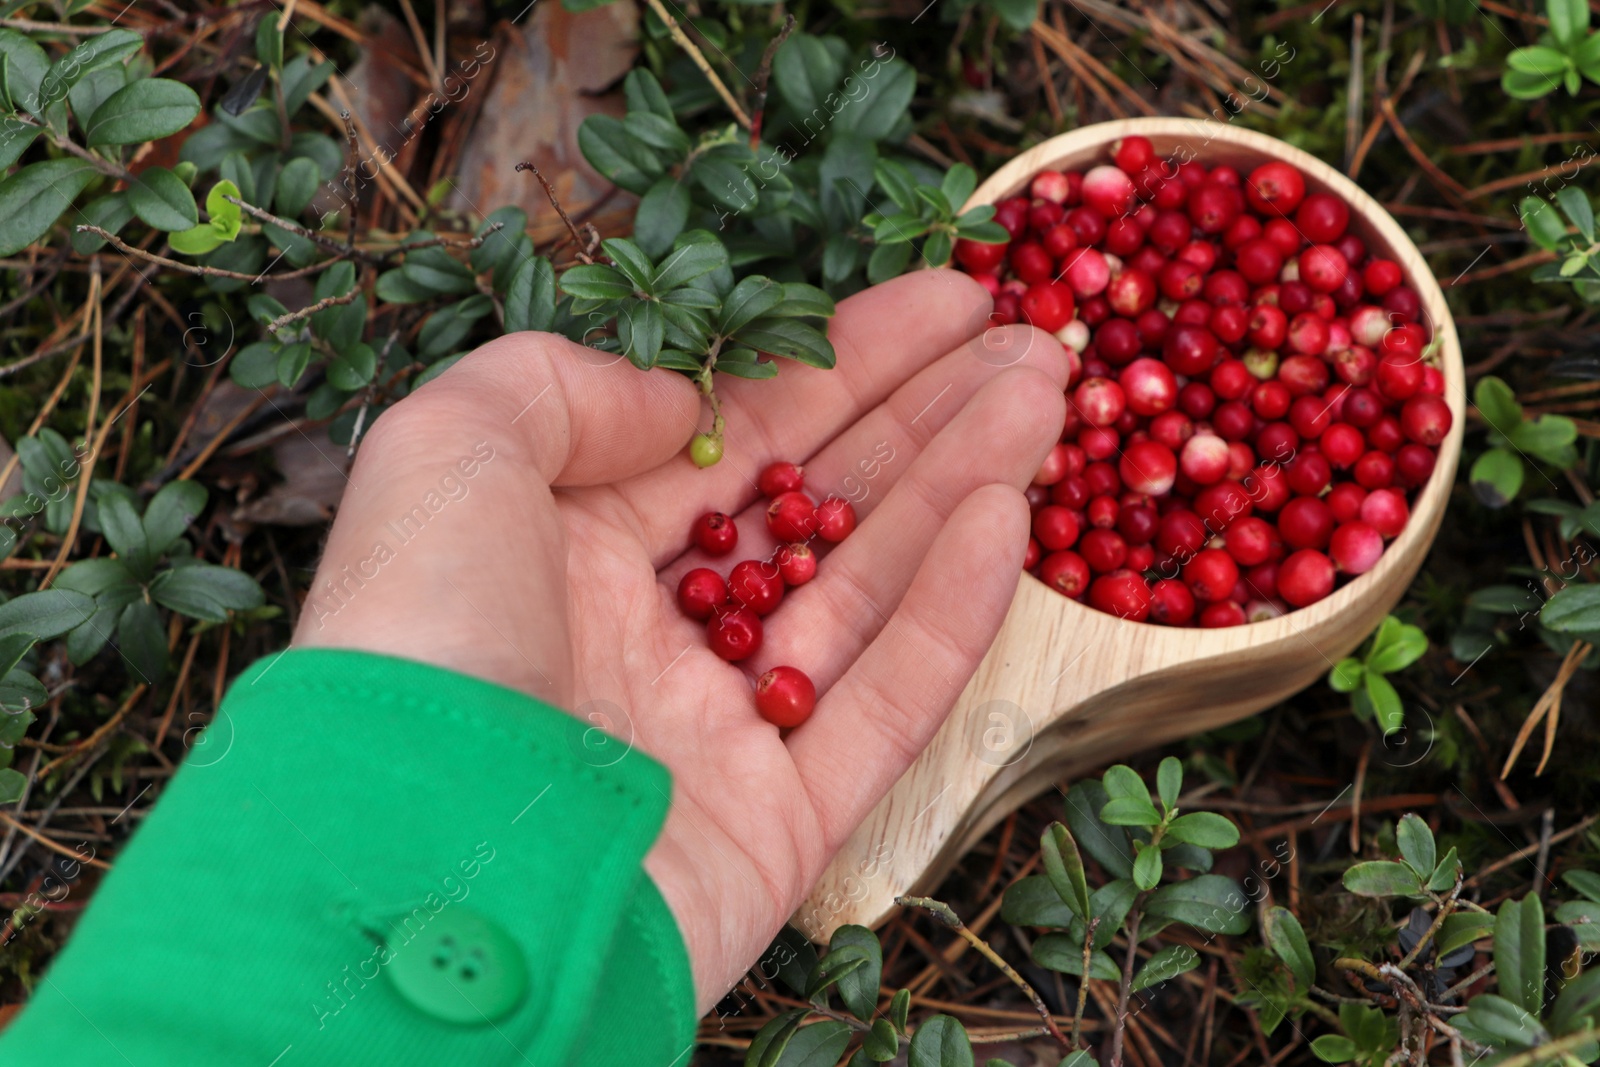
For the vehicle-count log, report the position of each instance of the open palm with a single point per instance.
(929, 423)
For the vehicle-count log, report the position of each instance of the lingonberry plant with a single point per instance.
(1255, 403)
(1393, 647)
(1497, 475)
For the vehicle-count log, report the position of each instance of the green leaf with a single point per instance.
(859, 988)
(1405, 646)
(1208, 902)
(12, 785)
(1445, 872)
(958, 184)
(1333, 1048)
(609, 148)
(1287, 940)
(639, 331)
(33, 198)
(1585, 883)
(110, 213)
(896, 179)
(804, 73)
(631, 261)
(1016, 14)
(531, 296)
(1461, 928)
(353, 367)
(791, 339)
(1494, 399)
(937, 248)
(255, 366)
(1575, 609)
(1064, 868)
(662, 214)
(1382, 878)
(657, 132)
(143, 641)
(1204, 828)
(881, 1044)
(1575, 204)
(1165, 965)
(888, 89)
(899, 1008)
(92, 54)
(169, 514)
(124, 530)
(887, 261)
(940, 1042)
(45, 614)
(1569, 20)
(1497, 1021)
(1347, 675)
(1416, 844)
(1577, 1005)
(297, 184)
(26, 67)
(802, 300)
(1108, 845)
(644, 93)
(595, 282)
(1496, 477)
(1538, 218)
(817, 1045)
(292, 362)
(1385, 702)
(829, 970)
(146, 110)
(300, 78)
(696, 253)
(1549, 437)
(1146, 864)
(12, 648)
(1519, 952)
(1539, 59)
(162, 201)
(742, 363)
(1169, 782)
(269, 41)
(1064, 953)
(773, 1038)
(752, 298)
(1034, 901)
(206, 591)
(1130, 811)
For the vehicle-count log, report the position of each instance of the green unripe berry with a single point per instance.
(705, 450)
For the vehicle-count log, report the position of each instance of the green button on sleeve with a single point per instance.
(373, 861)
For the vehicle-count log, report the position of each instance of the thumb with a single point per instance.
(586, 417)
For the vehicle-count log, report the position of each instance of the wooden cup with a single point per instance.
(1065, 688)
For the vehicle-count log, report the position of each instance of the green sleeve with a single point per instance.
(367, 860)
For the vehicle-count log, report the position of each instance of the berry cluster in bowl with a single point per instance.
(1254, 401)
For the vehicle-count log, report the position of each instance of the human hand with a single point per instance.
(549, 502)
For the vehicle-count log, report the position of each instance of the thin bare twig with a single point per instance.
(292, 317)
(195, 268)
(943, 913)
(699, 59)
(763, 75)
(584, 248)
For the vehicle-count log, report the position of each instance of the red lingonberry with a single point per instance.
(1056, 527)
(792, 517)
(1190, 350)
(1308, 334)
(1229, 322)
(1148, 467)
(1308, 473)
(1342, 444)
(1386, 435)
(1204, 459)
(1211, 575)
(1219, 505)
(700, 592)
(1305, 522)
(734, 633)
(1374, 470)
(1322, 217)
(1100, 401)
(1305, 577)
(1171, 602)
(1259, 261)
(715, 534)
(1226, 287)
(1249, 541)
(1398, 378)
(785, 697)
(1213, 207)
(1122, 593)
(1381, 275)
(1223, 614)
(1131, 292)
(1012, 214)
(1355, 547)
(1050, 185)
(1065, 572)
(1148, 387)
(1103, 550)
(1133, 153)
(1413, 465)
(1031, 263)
(1044, 214)
(757, 584)
(1403, 301)
(1102, 512)
(979, 256)
(1267, 487)
(1030, 556)
(1275, 188)
(1385, 510)
(836, 519)
(1344, 500)
(1108, 191)
(1323, 268)
(1054, 467)
(1426, 419)
(1087, 273)
(1124, 236)
(796, 563)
